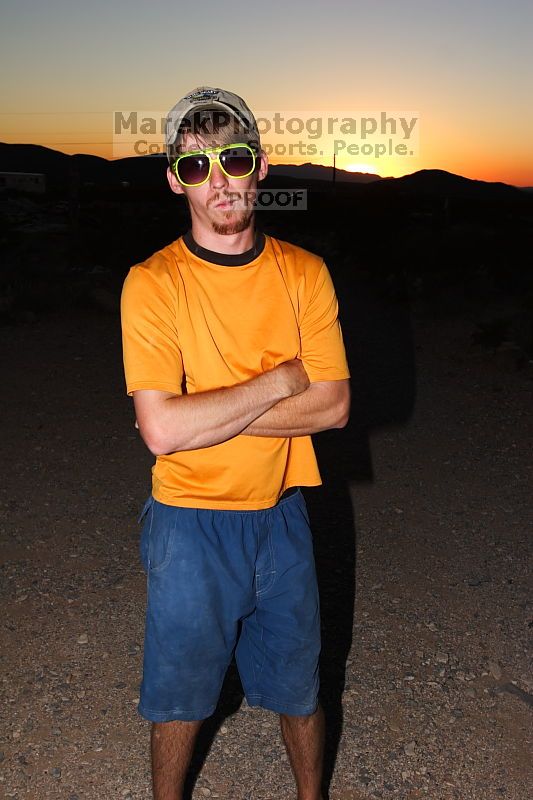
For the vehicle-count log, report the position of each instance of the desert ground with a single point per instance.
(423, 539)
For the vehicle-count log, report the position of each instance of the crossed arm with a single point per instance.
(280, 402)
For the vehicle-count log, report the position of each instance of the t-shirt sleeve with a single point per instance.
(150, 344)
(322, 346)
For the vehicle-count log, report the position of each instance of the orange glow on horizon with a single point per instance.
(449, 153)
(369, 169)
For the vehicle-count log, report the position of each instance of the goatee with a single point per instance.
(233, 224)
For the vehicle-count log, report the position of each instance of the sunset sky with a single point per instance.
(460, 75)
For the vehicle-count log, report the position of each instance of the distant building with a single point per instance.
(32, 182)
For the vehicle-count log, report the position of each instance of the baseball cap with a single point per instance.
(205, 97)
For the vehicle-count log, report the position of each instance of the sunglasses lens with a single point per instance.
(237, 161)
(193, 169)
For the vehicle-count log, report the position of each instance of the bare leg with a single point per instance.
(172, 747)
(304, 740)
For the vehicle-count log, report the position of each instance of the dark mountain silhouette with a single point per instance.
(59, 167)
(148, 171)
(30, 158)
(318, 172)
(35, 158)
(438, 181)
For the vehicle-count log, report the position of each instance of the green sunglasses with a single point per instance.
(235, 161)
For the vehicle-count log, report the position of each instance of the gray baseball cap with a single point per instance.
(205, 97)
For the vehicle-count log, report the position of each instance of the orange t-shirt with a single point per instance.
(192, 325)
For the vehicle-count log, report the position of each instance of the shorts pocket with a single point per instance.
(303, 506)
(160, 536)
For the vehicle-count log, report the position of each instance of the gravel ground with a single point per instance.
(423, 540)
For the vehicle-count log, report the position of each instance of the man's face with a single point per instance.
(221, 205)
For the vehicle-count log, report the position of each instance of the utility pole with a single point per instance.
(73, 211)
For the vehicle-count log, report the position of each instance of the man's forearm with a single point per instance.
(200, 420)
(322, 406)
(169, 423)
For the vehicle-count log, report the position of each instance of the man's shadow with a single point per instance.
(379, 345)
(378, 339)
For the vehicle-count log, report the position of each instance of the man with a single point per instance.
(234, 356)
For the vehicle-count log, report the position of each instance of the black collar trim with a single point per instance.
(226, 259)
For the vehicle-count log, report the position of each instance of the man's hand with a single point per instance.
(294, 374)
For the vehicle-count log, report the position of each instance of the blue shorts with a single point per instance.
(221, 583)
